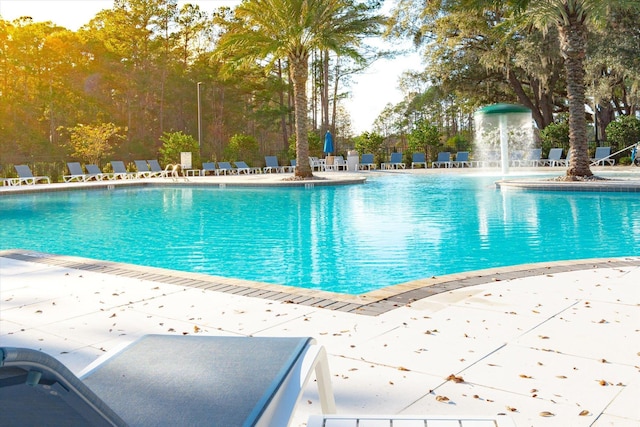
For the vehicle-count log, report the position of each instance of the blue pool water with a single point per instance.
(349, 239)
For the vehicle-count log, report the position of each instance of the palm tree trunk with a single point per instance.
(299, 63)
(573, 40)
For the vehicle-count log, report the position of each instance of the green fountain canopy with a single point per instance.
(503, 109)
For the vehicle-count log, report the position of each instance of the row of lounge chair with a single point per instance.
(492, 159)
(184, 380)
(241, 167)
(145, 169)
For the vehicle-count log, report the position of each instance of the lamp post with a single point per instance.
(199, 119)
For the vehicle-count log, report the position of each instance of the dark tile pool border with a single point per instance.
(372, 304)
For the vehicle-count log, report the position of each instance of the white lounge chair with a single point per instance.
(26, 177)
(226, 168)
(553, 159)
(444, 160)
(143, 169)
(243, 167)
(317, 164)
(367, 162)
(209, 167)
(335, 163)
(408, 421)
(272, 165)
(94, 172)
(461, 160)
(156, 169)
(120, 171)
(418, 159)
(167, 380)
(601, 157)
(75, 173)
(395, 162)
(533, 157)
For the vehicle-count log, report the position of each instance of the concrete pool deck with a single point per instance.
(554, 344)
(553, 349)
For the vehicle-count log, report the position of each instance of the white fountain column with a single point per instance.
(504, 144)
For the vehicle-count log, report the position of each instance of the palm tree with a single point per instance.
(573, 18)
(292, 29)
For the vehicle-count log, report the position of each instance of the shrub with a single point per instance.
(243, 147)
(93, 143)
(174, 143)
(555, 135)
(424, 138)
(623, 132)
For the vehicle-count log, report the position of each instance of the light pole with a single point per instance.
(199, 119)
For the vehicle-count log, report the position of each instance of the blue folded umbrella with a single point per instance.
(328, 143)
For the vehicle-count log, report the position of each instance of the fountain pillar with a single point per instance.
(501, 129)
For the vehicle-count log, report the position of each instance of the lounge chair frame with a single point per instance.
(418, 159)
(25, 176)
(168, 380)
(444, 160)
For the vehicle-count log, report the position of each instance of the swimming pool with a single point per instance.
(348, 239)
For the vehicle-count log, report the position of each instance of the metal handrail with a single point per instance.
(636, 145)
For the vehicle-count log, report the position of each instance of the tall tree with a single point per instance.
(572, 18)
(292, 29)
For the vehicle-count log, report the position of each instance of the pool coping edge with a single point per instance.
(371, 303)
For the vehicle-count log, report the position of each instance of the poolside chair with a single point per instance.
(418, 159)
(553, 159)
(367, 162)
(533, 157)
(75, 173)
(292, 168)
(409, 421)
(317, 164)
(272, 165)
(516, 158)
(395, 162)
(461, 160)
(120, 171)
(488, 158)
(243, 167)
(226, 168)
(335, 163)
(156, 169)
(94, 172)
(143, 169)
(167, 380)
(209, 167)
(602, 156)
(444, 160)
(26, 177)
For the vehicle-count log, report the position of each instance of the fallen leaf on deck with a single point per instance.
(402, 368)
(511, 409)
(547, 414)
(525, 376)
(584, 413)
(455, 379)
(442, 398)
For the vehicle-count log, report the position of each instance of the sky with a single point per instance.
(371, 91)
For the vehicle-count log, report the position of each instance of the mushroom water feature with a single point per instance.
(504, 133)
